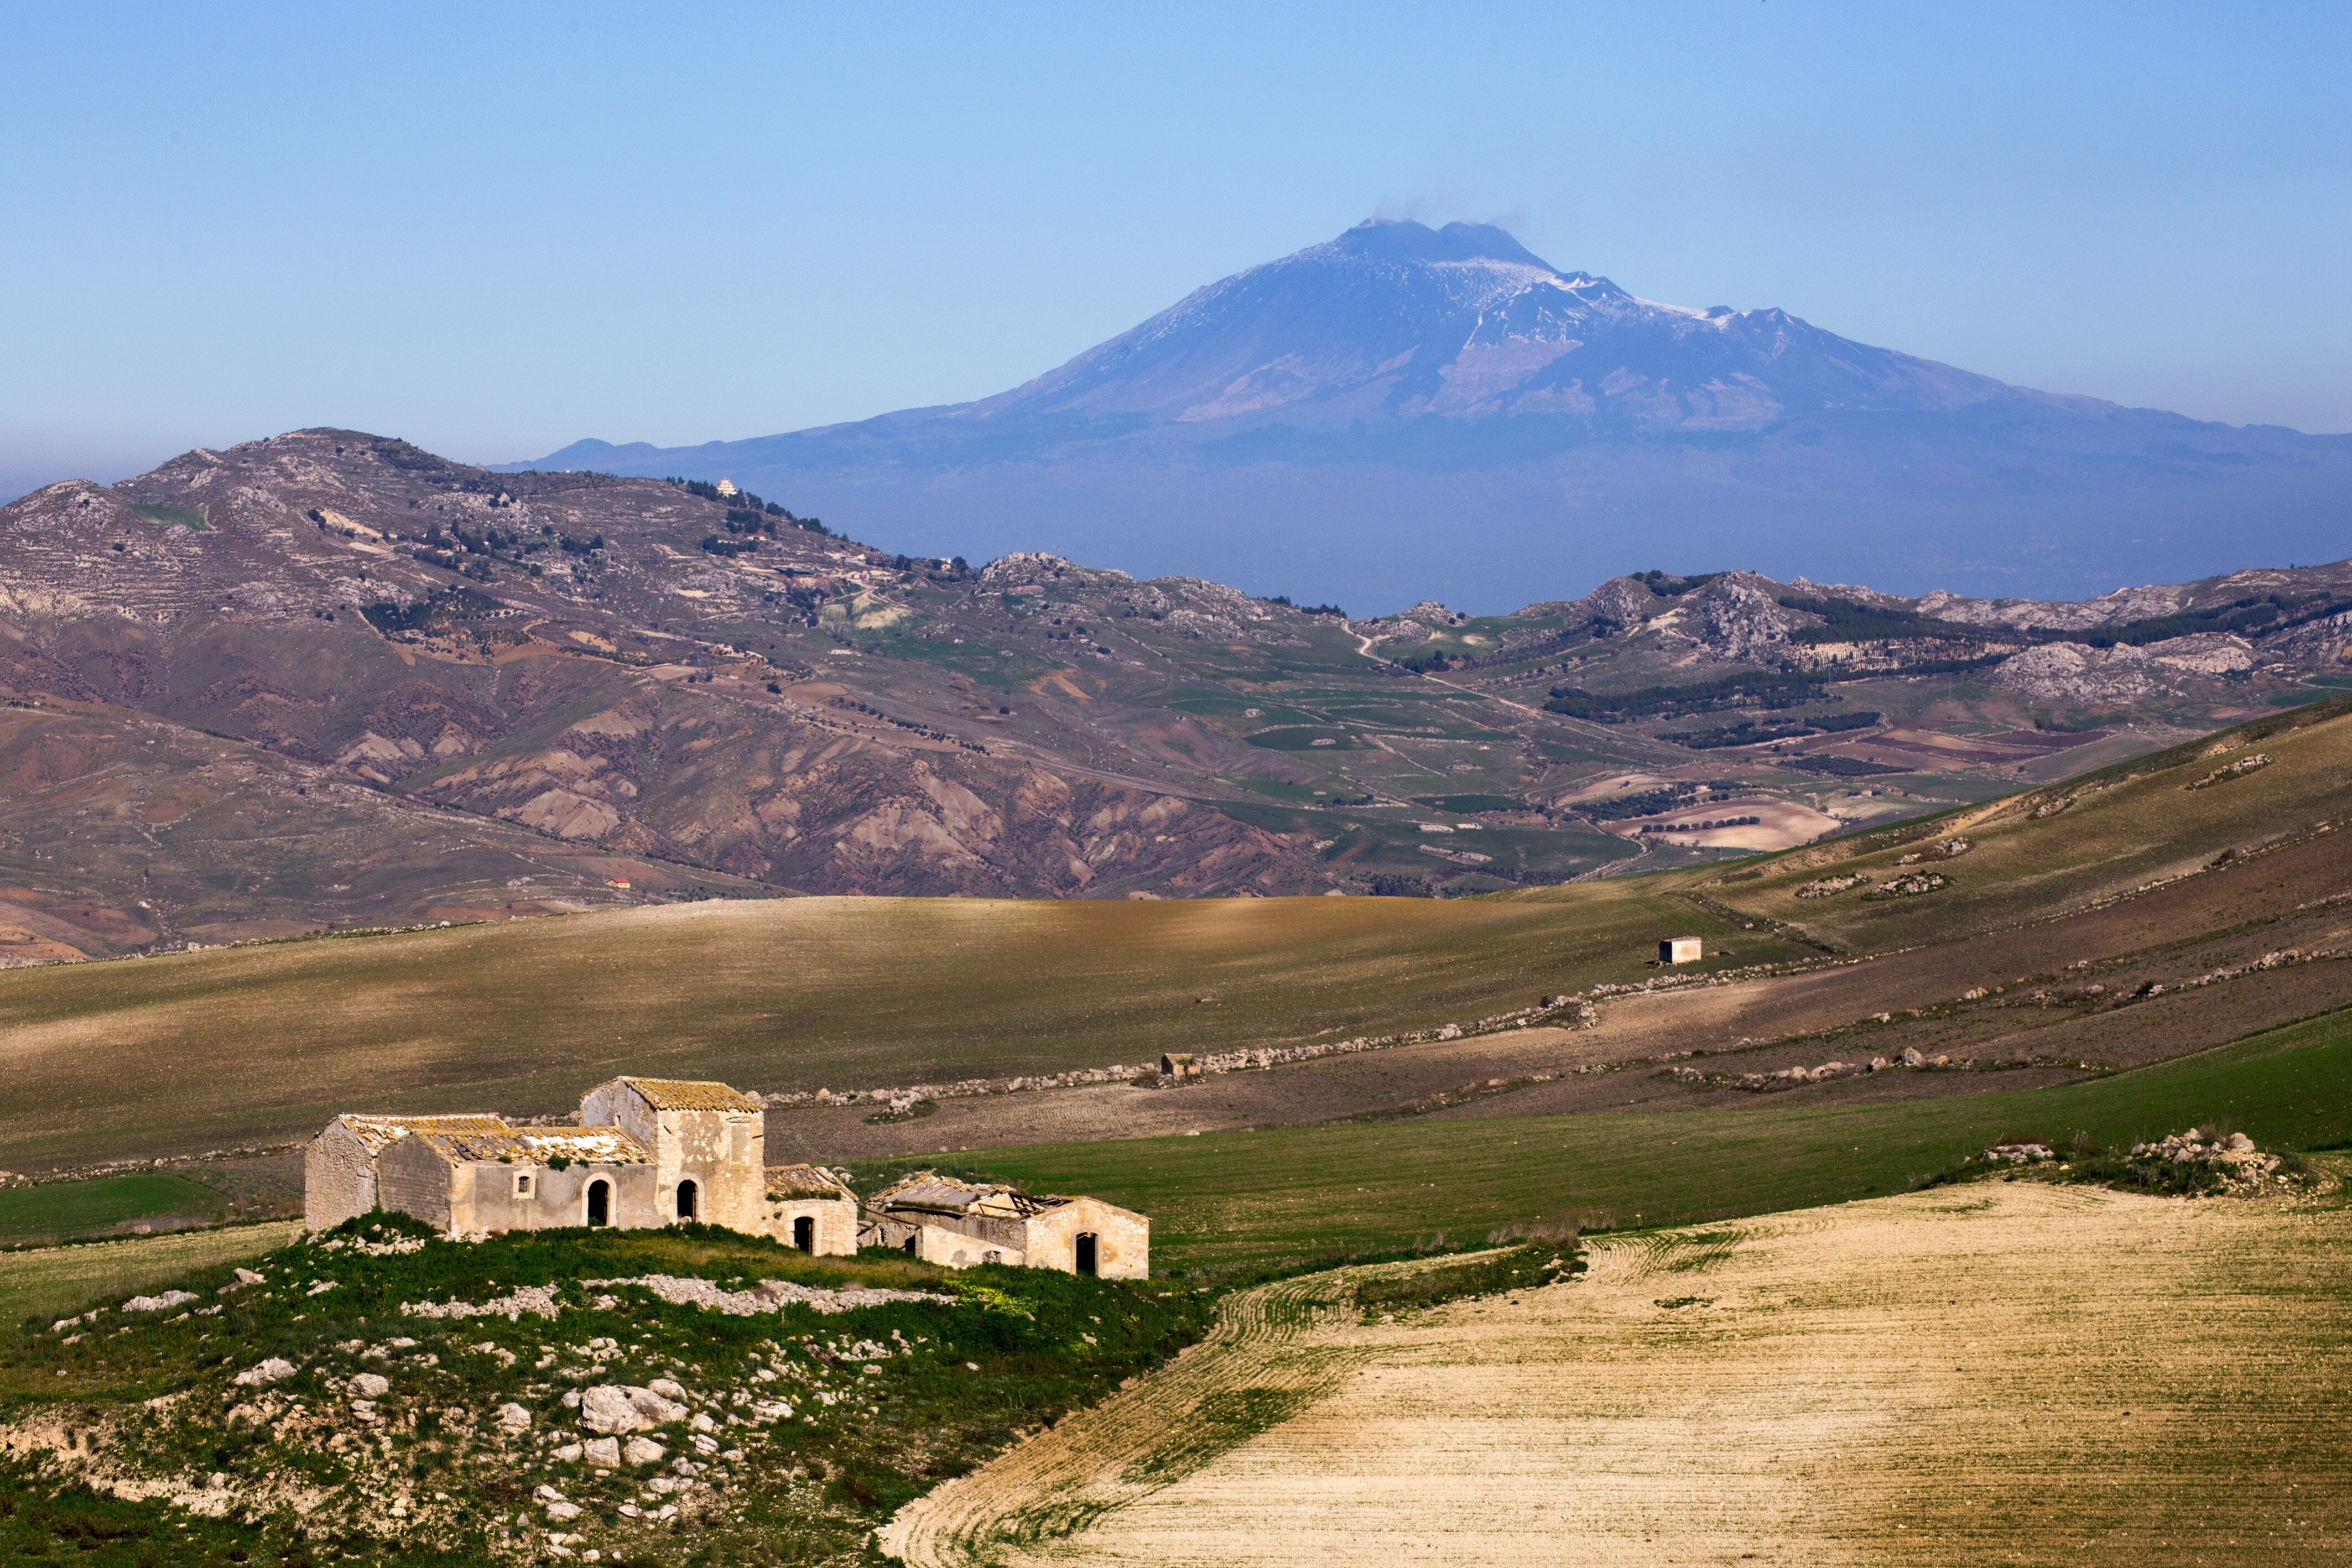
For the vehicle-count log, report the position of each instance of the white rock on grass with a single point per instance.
(271, 1371)
(158, 1303)
(603, 1452)
(371, 1384)
(668, 1389)
(702, 1422)
(621, 1408)
(545, 1493)
(641, 1451)
(513, 1417)
(568, 1453)
(562, 1511)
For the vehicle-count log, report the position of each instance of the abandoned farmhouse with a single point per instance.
(666, 1151)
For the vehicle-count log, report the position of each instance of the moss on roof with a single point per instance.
(377, 1134)
(805, 1181)
(691, 1095)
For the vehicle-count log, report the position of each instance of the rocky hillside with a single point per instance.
(673, 1397)
(328, 679)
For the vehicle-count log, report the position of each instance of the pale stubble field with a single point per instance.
(2009, 1373)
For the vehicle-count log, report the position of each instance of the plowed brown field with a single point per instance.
(2005, 1374)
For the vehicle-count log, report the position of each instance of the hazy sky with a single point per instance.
(494, 234)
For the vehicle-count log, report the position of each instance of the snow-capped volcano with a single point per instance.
(1402, 406)
(1396, 320)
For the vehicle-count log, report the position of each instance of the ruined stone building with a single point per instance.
(942, 1221)
(812, 1209)
(648, 1151)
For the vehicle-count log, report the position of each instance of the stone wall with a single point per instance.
(414, 1179)
(1122, 1239)
(837, 1223)
(485, 1199)
(338, 1178)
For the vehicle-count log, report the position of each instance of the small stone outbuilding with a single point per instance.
(1680, 950)
(959, 1224)
(1178, 1065)
(812, 1209)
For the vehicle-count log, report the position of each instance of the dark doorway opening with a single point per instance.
(686, 1197)
(909, 1245)
(1086, 1252)
(804, 1234)
(600, 1202)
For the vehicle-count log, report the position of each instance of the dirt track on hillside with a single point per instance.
(1999, 1374)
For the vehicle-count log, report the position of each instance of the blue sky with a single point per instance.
(494, 234)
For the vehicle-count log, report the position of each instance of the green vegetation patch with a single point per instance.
(1468, 804)
(1306, 737)
(175, 517)
(350, 1411)
(1232, 1203)
(61, 1209)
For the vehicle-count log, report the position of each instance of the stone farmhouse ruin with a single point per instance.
(941, 1219)
(648, 1151)
(666, 1151)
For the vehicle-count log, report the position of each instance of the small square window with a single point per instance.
(522, 1184)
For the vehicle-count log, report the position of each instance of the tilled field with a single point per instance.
(1998, 1373)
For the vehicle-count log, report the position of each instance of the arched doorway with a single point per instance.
(600, 1202)
(804, 1234)
(687, 1195)
(1086, 1252)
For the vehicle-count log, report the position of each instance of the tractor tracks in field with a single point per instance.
(1271, 1355)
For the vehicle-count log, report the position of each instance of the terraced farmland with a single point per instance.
(1995, 1374)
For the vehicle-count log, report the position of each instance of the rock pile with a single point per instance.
(2242, 1168)
(1910, 885)
(2244, 765)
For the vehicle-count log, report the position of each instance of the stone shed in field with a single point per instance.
(960, 1224)
(812, 1209)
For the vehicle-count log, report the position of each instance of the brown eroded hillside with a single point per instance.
(656, 683)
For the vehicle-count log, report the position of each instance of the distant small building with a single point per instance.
(1176, 1064)
(1679, 950)
(811, 1207)
(727, 487)
(959, 1224)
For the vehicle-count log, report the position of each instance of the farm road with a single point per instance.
(1976, 1374)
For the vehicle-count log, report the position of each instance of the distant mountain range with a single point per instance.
(1404, 411)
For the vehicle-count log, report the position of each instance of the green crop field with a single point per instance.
(1227, 1203)
(71, 1208)
(43, 1281)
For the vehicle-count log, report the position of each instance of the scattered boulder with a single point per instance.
(641, 1451)
(621, 1409)
(163, 1302)
(274, 1370)
(369, 1385)
(513, 1417)
(603, 1452)
(567, 1453)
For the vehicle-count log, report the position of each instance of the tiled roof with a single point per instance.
(377, 1134)
(538, 1145)
(928, 1193)
(691, 1095)
(805, 1181)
